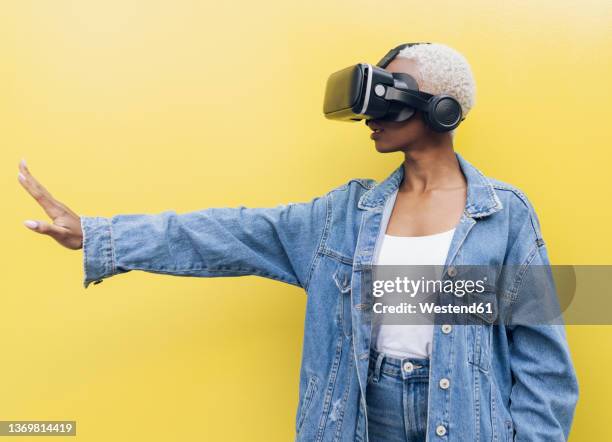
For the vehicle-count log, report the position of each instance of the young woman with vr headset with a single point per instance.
(364, 378)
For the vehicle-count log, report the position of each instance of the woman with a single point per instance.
(363, 380)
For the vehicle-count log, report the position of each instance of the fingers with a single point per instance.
(44, 228)
(38, 192)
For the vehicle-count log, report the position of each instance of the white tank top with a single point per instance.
(409, 341)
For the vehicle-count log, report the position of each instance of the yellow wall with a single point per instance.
(141, 106)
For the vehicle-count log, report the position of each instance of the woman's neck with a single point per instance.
(431, 169)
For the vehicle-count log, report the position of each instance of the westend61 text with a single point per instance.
(431, 308)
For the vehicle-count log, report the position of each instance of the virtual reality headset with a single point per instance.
(366, 92)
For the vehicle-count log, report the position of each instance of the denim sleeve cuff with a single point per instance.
(97, 249)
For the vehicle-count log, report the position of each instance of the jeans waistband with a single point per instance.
(402, 368)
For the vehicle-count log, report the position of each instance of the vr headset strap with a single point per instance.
(410, 98)
(393, 52)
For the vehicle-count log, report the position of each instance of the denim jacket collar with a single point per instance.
(481, 197)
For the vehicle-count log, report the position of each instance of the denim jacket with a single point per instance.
(506, 383)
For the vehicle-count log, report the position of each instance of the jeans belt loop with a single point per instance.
(379, 361)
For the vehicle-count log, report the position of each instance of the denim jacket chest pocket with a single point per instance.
(342, 277)
(479, 327)
(483, 314)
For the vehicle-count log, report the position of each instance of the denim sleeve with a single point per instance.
(273, 242)
(545, 388)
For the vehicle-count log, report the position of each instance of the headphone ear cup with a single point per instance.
(428, 120)
(443, 113)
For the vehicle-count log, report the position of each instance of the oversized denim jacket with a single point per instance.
(507, 383)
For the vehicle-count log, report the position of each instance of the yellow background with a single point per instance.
(142, 106)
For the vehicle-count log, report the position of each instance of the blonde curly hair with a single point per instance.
(443, 71)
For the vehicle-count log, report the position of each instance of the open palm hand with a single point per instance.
(66, 225)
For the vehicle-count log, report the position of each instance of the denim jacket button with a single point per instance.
(452, 271)
(440, 430)
(444, 383)
(446, 328)
(408, 367)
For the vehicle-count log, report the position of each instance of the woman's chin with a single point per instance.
(385, 148)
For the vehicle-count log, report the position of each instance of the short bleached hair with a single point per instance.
(443, 71)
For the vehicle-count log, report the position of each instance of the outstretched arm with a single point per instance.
(274, 242)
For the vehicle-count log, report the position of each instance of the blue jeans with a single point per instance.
(396, 398)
